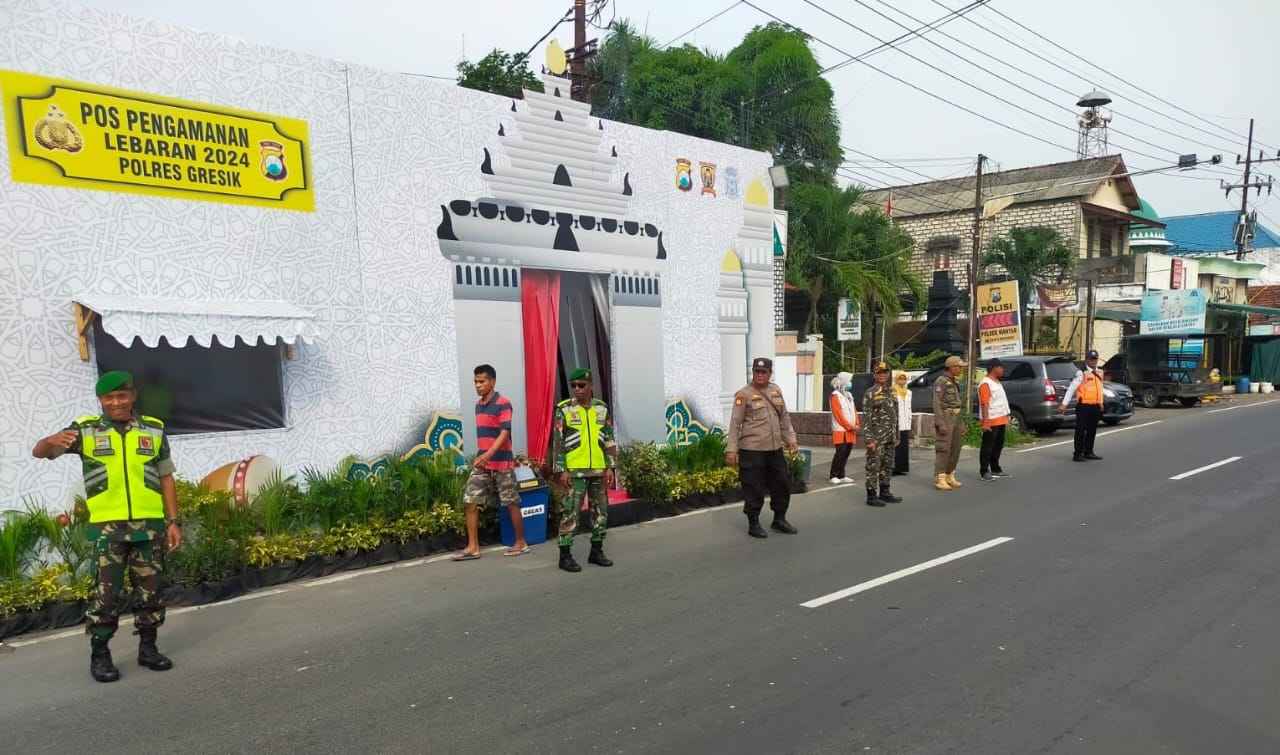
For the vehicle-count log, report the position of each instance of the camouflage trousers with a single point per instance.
(593, 489)
(880, 465)
(489, 487)
(144, 562)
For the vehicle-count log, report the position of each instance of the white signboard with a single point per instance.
(848, 321)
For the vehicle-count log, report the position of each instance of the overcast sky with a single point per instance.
(1217, 60)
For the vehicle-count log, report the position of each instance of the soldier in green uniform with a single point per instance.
(130, 494)
(880, 433)
(584, 457)
(948, 424)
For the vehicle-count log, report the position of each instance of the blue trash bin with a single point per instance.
(535, 499)
(1242, 385)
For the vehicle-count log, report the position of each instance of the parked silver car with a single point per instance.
(1035, 386)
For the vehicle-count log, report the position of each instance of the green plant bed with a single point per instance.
(1012, 437)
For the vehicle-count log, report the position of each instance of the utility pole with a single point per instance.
(1088, 320)
(973, 285)
(1244, 228)
(583, 49)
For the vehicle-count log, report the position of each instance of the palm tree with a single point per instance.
(1029, 255)
(840, 246)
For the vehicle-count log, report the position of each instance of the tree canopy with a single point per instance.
(1029, 255)
(764, 94)
(500, 73)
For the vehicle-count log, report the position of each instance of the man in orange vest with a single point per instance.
(1087, 389)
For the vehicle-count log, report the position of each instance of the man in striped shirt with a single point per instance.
(493, 478)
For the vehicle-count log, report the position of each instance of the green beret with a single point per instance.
(113, 381)
(582, 373)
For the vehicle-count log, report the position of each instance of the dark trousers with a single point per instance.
(842, 456)
(764, 472)
(992, 445)
(902, 454)
(1087, 417)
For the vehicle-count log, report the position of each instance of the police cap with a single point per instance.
(762, 363)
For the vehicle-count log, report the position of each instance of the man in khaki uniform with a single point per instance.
(948, 424)
(758, 431)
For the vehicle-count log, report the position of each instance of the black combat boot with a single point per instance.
(566, 560)
(781, 524)
(887, 496)
(148, 655)
(100, 666)
(754, 529)
(597, 556)
(873, 500)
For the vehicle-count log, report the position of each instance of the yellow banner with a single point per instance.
(65, 133)
(999, 320)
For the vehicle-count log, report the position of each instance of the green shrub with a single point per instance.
(1012, 437)
(20, 536)
(704, 454)
(278, 505)
(646, 473)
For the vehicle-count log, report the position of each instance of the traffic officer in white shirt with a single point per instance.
(1087, 388)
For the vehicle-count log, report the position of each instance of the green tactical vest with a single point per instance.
(121, 481)
(583, 429)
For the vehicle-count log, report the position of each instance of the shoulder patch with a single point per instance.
(152, 421)
(737, 401)
(564, 403)
(88, 419)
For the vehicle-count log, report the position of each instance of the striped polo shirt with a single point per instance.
(492, 417)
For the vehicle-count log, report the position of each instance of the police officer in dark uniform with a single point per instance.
(133, 515)
(758, 431)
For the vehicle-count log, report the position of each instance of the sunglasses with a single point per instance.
(580, 385)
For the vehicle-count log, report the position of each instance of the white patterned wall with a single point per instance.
(366, 261)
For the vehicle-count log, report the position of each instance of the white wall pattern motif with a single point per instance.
(386, 151)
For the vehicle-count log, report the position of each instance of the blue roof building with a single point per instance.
(1212, 233)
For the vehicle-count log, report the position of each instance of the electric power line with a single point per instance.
(1046, 82)
(1117, 77)
(699, 26)
(961, 80)
(567, 17)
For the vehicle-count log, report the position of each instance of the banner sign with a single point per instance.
(999, 320)
(1176, 273)
(64, 133)
(1181, 311)
(1057, 295)
(848, 321)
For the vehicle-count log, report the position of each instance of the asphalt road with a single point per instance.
(1129, 613)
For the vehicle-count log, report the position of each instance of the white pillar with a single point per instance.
(755, 249)
(732, 299)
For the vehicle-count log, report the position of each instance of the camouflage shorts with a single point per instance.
(488, 487)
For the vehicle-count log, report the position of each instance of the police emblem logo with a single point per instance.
(995, 296)
(54, 131)
(272, 160)
(684, 171)
(707, 171)
(146, 445)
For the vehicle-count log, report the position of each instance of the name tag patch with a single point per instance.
(102, 445)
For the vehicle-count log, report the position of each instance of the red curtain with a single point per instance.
(540, 306)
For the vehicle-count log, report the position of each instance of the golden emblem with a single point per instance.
(54, 131)
(708, 173)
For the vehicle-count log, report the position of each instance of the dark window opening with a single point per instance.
(198, 390)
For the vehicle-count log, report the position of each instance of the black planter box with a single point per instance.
(385, 553)
(203, 593)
